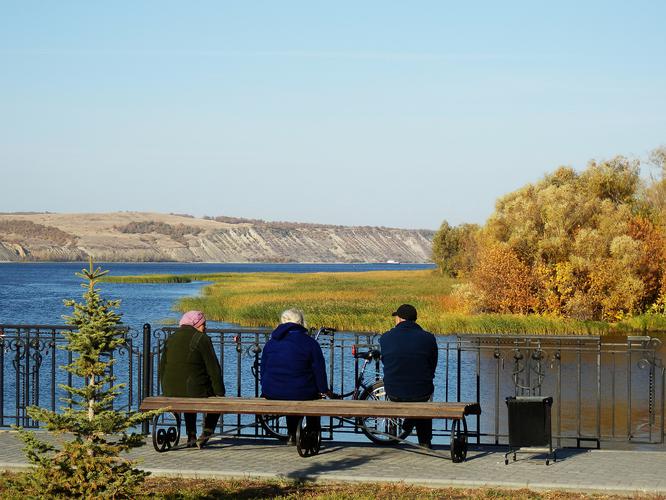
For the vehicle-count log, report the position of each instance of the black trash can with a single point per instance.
(529, 426)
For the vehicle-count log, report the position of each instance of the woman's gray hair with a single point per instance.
(292, 316)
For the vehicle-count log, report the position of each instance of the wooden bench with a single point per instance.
(308, 444)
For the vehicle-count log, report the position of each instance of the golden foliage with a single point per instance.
(574, 245)
(505, 284)
(651, 262)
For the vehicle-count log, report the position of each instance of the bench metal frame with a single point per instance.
(308, 444)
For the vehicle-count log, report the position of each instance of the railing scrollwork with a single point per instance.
(529, 370)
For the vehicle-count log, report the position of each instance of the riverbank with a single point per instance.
(363, 302)
(156, 237)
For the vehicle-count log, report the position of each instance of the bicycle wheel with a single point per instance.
(275, 426)
(381, 430)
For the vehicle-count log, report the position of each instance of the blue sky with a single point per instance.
(366, 113)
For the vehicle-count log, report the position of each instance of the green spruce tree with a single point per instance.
(86, 462)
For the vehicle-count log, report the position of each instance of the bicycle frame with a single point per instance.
(360, 384)
(380, 431)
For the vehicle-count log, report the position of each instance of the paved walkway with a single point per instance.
(607, 471)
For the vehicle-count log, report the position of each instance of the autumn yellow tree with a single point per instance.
(588, 245)
(504, 282)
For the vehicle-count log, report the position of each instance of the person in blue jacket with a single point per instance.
(293, 368)
(409, 356)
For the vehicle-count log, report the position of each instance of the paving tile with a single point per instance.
(597, 470)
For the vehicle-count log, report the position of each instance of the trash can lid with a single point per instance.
(530, 399)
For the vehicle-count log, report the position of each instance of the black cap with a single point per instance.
(406, 311)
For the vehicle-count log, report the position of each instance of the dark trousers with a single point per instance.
(423, 425)
(313, 423)
(209, 422)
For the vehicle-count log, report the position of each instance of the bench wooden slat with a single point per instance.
(319, 407)
(230, 403)
(157, 401)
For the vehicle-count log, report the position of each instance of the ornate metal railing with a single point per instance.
(31, 361)
(602, 389)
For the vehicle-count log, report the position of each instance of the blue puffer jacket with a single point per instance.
(292, 365)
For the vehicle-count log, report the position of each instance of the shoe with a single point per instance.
(426, 446)
(191, 440)
(291, 441)
(203, 439)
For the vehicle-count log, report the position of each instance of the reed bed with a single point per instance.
(148, 278)
(163, 278)
(363, 302)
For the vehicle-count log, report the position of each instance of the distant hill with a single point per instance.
(153, 237)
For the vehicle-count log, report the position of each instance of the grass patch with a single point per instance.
(178, 488)
(363, 302)
(644, 323)
(347, 301)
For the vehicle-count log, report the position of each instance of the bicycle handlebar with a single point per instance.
(322, 331)
(369, 355)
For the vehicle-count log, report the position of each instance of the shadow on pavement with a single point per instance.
(311, 470)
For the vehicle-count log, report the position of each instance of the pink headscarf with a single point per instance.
(192, 318)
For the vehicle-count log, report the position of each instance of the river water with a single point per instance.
(33, 293)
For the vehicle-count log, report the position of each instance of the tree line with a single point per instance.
(176, 232)
(586, 245)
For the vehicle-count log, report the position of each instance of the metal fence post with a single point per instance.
(459, 369)
(146, 383)
(478, 389)
(663, 393)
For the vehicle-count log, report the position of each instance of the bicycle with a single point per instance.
(379, 430)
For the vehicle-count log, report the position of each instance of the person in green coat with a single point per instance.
(189, 368)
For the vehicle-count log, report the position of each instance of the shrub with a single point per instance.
(176, 233)
(505, 284)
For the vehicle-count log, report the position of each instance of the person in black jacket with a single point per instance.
(409, 356)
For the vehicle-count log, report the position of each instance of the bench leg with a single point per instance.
(274, 426)
(459, 440)
(308, 441)
(165, 438)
